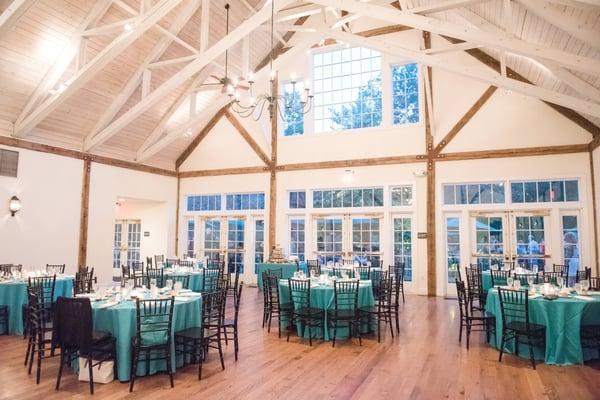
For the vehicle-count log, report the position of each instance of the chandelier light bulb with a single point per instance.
(128, 27)
(229, 89)
(250, 77)
(235, 81)
(293, 76)
(272, 74)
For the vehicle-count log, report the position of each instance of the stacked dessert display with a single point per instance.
(277, 256)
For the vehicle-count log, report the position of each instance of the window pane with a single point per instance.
(449, 194)
(485, 193)
(516, 189)
(543, 191)
(571, 191)
(558, 191)
(530, 192)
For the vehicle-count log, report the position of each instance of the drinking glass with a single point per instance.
(169, 284)
(152, 283)
(560, 281)
(177, 286)
(510, 281)
(578, 287)
(530, 280)
(313, 273)
(517, 284)
(585, 285)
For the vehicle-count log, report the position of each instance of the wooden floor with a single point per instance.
(425, 362)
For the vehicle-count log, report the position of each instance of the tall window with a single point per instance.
(235, 245)
(347, 89)
(297, 238)
(191, 233)
(570, 240)
(531, 242)
(452, 247)
(405, 94)
(365, 240)
(259, 243)
(402, 195)
(133, 242)
(212, 238)
(293, 117)
(489, 232)
(117, 245)
(403, 245)
(329, 240)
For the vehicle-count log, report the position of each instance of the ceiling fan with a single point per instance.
(229, 85)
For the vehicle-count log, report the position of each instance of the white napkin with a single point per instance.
(586, 298)
(190, 294)
(182, 298)
(108, 304)
(86, 295)
(535, 296)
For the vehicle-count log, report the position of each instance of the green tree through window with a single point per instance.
(364, 112)
(293, 117)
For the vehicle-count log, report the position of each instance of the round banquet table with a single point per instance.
(287, 270)
(120, 320)
(196, 278)
(321, 296)
(486, 280)
(14, 295)
(562, 318)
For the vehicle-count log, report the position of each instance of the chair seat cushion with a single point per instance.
(521, 327)
(100, 336)
(285, 306)
(342, 314)
(190, 333)
(371, 310)
(310, 311)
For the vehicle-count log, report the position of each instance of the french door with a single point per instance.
(521, 237)
(126, 242)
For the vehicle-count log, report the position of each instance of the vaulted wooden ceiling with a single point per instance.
(109, 94)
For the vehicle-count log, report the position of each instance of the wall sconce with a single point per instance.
(14, 205)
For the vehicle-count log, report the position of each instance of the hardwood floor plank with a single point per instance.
(424, 362)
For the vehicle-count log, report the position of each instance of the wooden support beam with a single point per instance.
(465, 118)
(384, 30)
(224, 171)
(273, 176)
(594, 143)
(203, 133)
(279, 48)
(362, 162)
(44, 148)
(84, 214)
(178, 200)
(247, 137)
(594, 211)
(13, 13)
(514, 152)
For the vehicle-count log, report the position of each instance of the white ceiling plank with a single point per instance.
(146, 82)
(172, 61)
(56, 71)
(579, 4)
(575, 82)
(443, 6)
(157, 51)
(451, 48)
(204, 25)
(13, 12)
(157, 145)
(572, 61)
(105, 56)
(126, 7)
(176, 39)
(480, 74)
(108, 28)
(253, 11)
(574, 26)
(245, 57)
(245, 28)
(293, 13)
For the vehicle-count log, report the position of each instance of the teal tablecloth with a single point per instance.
(486, 280)
(322, 297)
(196, 279)
(14, 295)
(562, 318)
(287, 270)
(120, 321)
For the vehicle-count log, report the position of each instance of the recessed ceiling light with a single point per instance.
(128, 27)
(188, 132)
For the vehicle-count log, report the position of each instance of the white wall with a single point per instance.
(46, 230)
(107, 184)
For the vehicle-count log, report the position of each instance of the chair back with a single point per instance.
(586, 274)
(313, 265)
(137, 266)
(524, 279)
(154, 273)
(499, 277)
(84, 280)
(378, 281)
(364, 273)
(43, 286)
(215, 264)
(345, 295)
(338, 271)
(183, 278)
(211, 279)
(186, 263)
(9, 268)
(39, 312)
(171, 262)
(213, 310)
(594, 283)
(236, 304)
(377, 264)
(149, 262)
(299, 292)
(552, 277)
(463, 300)
(474, 284)
(398, 271)
(514, 306)
(154, 321)
(158, 260)
(276, 272)
(272, 289)
(55, 269)
(73, 326)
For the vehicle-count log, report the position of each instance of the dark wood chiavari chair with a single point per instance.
(154, 323)
(158, 260)
(55, 269)
(472, 323)
(525, 278)
(8, 269)
(212, 280)
(84, 280)
(183, 278)
(196, 341)
(313, 265)
(171, 262)
(382, 310)
(499, 277)
(73, 333)
(137, 266)
(186, 263)
(564, 271)
(397, 271)
(149, 262)
(364, 273)
(552, 277)
(345, 311)
(128, 274)
(514, 307)
(302, 313)
(475, 290)
(230, 326)
(275, 308)
(156, 274)
(585, 274)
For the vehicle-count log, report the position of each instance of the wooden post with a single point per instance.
(177, 218)
(594, 212)
(83, 220)
(273, 168)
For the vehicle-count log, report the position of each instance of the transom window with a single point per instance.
(544, 191)
(204, 203)
(405, 94)
(402, 195)
(297, 199)
(347, 89)
(335, 198)
(474, 193)
(246, 201)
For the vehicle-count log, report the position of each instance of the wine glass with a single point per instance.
(152, 283)
(530, 280)
(560, 281)
(177, 286)
(169, 284)
(578, 287)
(517, 284)
(313, 273)
(585, 285)
(510, 281)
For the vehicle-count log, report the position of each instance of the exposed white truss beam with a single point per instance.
(189, 92)
(451, 48)
(574, 26)
(172, 61)
(120, 43)
(293, 13)
(586, 89)
(288, 28)
(253, 11)
(204, 25)
(480, 74)
(64, 59)
(176, 39)
(124, 6)
(13, 12)
(244, 29)
(588, 5)
(345, 20)
(572, 61)
(442, 6)
(108, 28)
(193, 123)
(132, 84)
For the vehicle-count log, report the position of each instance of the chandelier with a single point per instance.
(255, 106)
